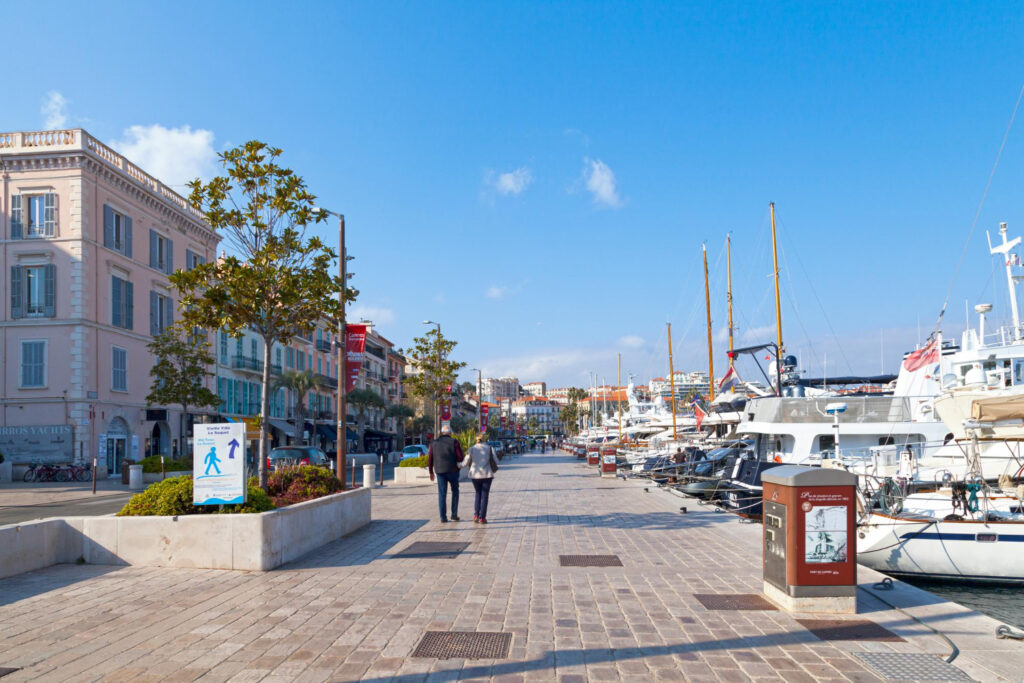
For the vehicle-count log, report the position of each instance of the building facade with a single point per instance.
(536, 388)
(88, 242)
(495, 389)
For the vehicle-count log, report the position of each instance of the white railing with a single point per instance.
(77, 138)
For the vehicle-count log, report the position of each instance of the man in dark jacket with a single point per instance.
(443, 459)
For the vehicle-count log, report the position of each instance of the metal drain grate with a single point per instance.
(848, 629)
(433, 549)
(589, 561)
(734, 601)
(914, 666)
(464, 645)
(550, 474)
(7, 670)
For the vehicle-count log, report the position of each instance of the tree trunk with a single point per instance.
(400, 428)
(361, 426)
(261, 465)
(300, 419)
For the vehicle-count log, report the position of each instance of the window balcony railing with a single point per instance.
(246, 363)
(323, 345)
(327, 381)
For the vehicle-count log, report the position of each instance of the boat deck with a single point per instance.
(360, 609)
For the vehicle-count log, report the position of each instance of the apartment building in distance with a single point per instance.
(87, 242)
(496, 389)
(686, 383)
(536, 388)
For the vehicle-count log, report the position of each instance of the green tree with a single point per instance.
(401, 413)
(182, 362)
(531, 425)
(277, 281)
(572, 412)
(300, 383)
(430, 356)
(363, 400)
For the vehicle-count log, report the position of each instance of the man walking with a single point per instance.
(444, 458)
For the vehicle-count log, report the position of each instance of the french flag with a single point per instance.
(729, 380)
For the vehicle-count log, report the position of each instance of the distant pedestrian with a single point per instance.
(482, 463)
(444, 459)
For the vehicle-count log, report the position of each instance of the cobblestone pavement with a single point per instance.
(354, 610)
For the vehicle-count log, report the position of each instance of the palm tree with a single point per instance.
(401, 413)
(300, 382)
(363, 399)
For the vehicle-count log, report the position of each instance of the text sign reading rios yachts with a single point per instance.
(218, 460)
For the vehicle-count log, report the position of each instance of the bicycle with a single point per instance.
(82, 472)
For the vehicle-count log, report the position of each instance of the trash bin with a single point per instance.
(810, 539)
(369, 480)
(125, 464)
(608, 462)
(135, 478)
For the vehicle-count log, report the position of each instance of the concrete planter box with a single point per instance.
(151, 477)
(420, 475)
(252, 542)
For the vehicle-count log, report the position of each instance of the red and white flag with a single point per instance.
(922, 357)
(699, 414)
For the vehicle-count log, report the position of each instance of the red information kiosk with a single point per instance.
(810, 539)
(608, 464)
(593, 454)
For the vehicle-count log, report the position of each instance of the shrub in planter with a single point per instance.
(174, 497)
(152, 464)
(420, 461)
(296, 484)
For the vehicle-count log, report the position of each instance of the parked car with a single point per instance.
(414, 451)
(292, 456)
(499, 448)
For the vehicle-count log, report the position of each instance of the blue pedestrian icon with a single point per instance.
(212, 460)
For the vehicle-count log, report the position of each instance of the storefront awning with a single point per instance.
(281, 425)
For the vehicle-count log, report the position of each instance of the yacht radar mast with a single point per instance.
(1011, 279)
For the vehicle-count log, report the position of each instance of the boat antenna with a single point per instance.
(728, 267)
(672, 382)
(778, 307)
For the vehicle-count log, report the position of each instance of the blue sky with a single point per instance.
(539, 177)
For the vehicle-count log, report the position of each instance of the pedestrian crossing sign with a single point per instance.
(218, 464)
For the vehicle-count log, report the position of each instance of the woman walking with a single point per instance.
(482, 465)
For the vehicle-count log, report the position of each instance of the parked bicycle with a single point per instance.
(45, 472)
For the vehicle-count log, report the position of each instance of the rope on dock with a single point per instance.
(888, 583)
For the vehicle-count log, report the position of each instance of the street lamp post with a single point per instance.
(341, 437)
(479, 394)
(437, 398)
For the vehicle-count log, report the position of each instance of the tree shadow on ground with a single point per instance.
(645, 521)
(56, 577)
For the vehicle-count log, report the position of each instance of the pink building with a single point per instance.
(87, 241)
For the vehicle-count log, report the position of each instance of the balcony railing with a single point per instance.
(323, 345)
(246, 363)
(327, 381)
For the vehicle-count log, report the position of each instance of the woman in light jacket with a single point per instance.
(482, 465)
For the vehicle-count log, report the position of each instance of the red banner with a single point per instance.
(446, 411)
(355, 345)
(503, 422)
(483, 419)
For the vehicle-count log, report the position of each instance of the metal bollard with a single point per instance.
(354, 485)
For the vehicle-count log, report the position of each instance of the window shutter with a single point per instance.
(50, 214)
(16, 296)
(128, 236)
(152, 249)
(50, 302)
(115, 302)
(108, 227)
(190, 259)
(168, 311)
(16, 216)
(154, 316)
(170, 257)
(129, 305)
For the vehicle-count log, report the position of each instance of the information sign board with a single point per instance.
(218, 460)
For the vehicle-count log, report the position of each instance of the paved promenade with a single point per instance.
(357, 610)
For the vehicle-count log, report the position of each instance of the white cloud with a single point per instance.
(601, 183)
(378, 315)
(54, 116)
(511, 183)
(632, 341)
(764, 334)
(174, 155)
(496, 291)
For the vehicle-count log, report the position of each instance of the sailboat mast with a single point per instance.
(778, 308)
(617, 399)
(711, 355)
(672, 381)
(728, 265)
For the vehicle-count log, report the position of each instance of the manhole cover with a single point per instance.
(734, 601)
(433, 549)
(589, 561)
(464, 645)
(848, 629)
(916, 666)
(6, 670)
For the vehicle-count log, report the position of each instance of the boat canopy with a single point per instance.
(1001, 408)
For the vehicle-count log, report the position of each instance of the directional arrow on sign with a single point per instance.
(234, 444)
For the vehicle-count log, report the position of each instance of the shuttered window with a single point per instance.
(33, 291)
(117, 231)
(121, 303)
(160, 313)
(33, 215)
(192, 259)
(119, 369)
(161, 252)
(33, 364)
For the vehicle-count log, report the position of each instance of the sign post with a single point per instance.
(218, 460)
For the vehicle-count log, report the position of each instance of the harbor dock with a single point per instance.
(668, 595)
